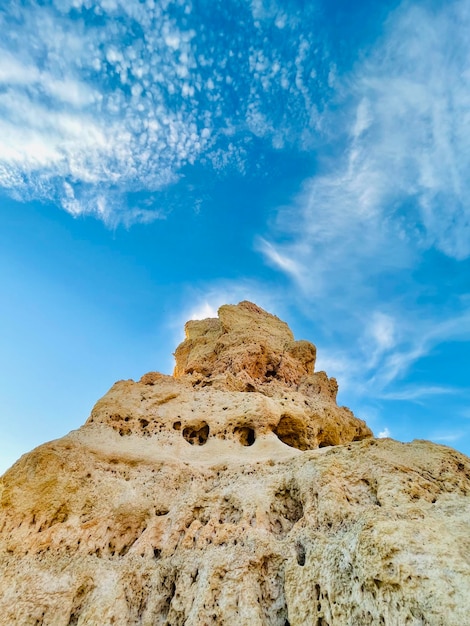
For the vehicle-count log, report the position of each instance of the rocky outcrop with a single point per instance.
(234, 492)
(246, 349)
(238, 378)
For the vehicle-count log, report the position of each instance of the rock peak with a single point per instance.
(245, 349)
(245, 342)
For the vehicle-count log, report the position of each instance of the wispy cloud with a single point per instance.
(398, 185)
(447, 437)
(418, 393)
(100, 100)
(379, 370)
(420, 338)
(357, 237)
(282, 261)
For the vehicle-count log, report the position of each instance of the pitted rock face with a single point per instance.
(235, 492)
(238, 378)
(245, 342)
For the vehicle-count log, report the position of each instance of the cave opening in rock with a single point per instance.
(197, 434)
(292, 432)
(245, 435)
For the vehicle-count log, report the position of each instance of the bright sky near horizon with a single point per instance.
(161, 158)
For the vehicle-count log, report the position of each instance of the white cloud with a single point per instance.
(14, 72)
(123, 103)
(339, 363)
(282, 261)
(383, 434)
(203, 310)
(402, 184)
(67, 112)
(394, 188)
(339, 232)
(380, 335)
(418, 134)
(447, 437)
(418, 393)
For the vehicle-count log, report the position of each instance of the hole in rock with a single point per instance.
(230, 513)
(245, 435)
(300, 550)
(291, 506)
(124, 550)
(286, 509)
(161, 511)
(292, 432)
(201, 514)
(325, 440)
(78, 603)
(177, 426)
(196, 434)
(168, 585)
(143, 422)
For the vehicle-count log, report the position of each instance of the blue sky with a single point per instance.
(158, 159)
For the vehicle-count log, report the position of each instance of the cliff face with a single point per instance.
(234, 492)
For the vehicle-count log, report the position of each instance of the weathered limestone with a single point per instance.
(247, 347)
(236, 492)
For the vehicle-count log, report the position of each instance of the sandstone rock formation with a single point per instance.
(234, 492)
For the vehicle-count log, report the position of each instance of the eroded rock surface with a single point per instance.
(234, 492)
(245, 349)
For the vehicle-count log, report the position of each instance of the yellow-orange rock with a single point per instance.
(236, 492)
(256, 348)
